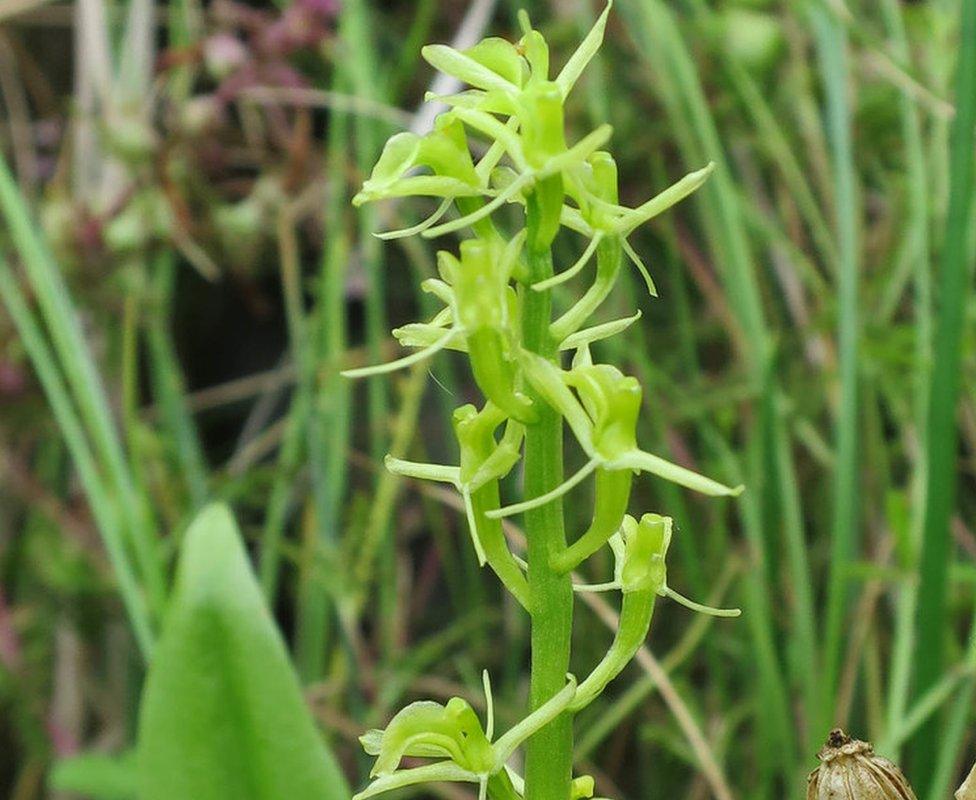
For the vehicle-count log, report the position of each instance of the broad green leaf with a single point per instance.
(222, 715)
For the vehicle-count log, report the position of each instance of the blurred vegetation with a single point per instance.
(182, 278)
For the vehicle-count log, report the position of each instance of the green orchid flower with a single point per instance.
(481, 313)
(454, 177)
(484, 461)
(607, 225)
(452, 734)
(597, 215)
(604, 421)
(640, 574)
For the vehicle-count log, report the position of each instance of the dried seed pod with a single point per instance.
(968, 789)
(849, 770)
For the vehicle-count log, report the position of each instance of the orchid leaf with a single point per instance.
(222, 714)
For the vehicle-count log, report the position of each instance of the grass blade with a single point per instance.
(99, 498)
(941, 476)
(83, 379)
(831, 43)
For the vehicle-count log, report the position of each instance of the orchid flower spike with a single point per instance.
(452, 735)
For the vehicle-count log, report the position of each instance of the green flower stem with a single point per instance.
(549, 753)
(635, 619)
(611, 496)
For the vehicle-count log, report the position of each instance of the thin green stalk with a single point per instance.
(365, 79)
(941, 476)
(549, 753)
(167, 383)
(660, 42)
(924, 709)
(99, 496)
(831, 42)
(388, 486)
(918, 237)
(368, 82)
(774, 141)
(804, 617)
(129, 389)
(777, 746)
(955, 731)
(279, 499)
(424, 12)
(313, 604)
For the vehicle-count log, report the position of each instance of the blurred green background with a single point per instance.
(182, 277)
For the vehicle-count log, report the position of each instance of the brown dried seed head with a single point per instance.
(850, 770)
(968, 789)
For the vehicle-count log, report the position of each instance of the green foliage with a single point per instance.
(814, 121)
(222, 715)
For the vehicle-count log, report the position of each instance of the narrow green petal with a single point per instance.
(574, 270)
(473, 528)
(489, 705)
(420, 227)
(645, 462)
(611, 586)
(641, 267)
(547, 379)
(402, 363)
(663, 201)
(548, 497)
(489, 161)
(481, 213)
(588, 48)
(598, 332)
(496, 130)
(667, 591)
(579, 152)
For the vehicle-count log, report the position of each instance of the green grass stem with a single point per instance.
(831, 43)
(82, 377)
(100, 497)
(941, 472)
